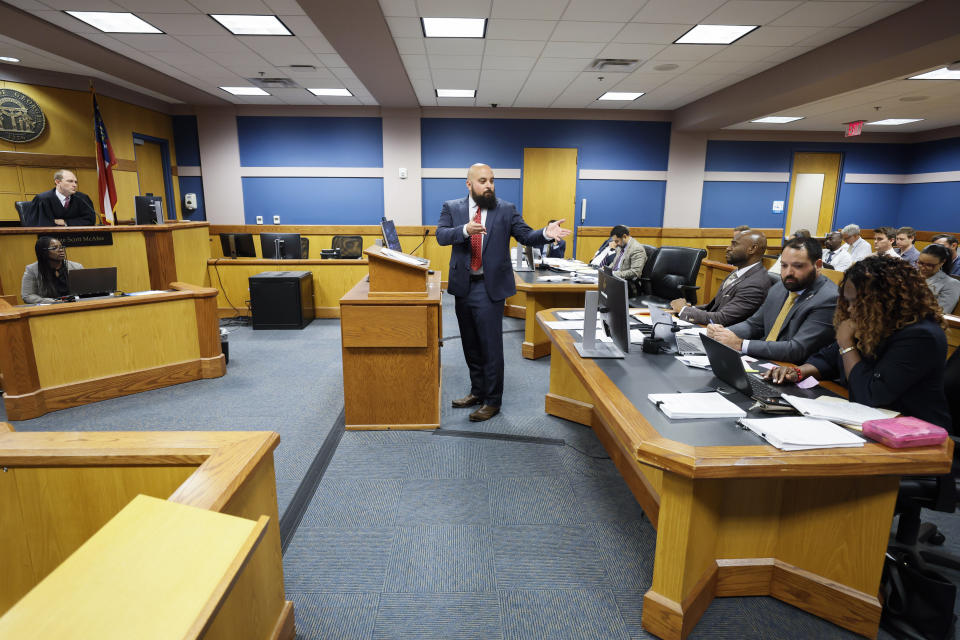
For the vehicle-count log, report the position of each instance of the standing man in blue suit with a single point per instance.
(478, 228)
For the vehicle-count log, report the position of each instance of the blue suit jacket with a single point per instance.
(502, 222)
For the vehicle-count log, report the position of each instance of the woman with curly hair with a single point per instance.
(890, 348)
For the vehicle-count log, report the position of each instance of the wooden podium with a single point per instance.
(390, 326)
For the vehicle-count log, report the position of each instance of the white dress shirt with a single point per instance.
(60, 196)
(859, 250)
(839, 259)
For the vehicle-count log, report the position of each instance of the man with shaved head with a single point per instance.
(744, 290)
(835, 254)
(478, 228)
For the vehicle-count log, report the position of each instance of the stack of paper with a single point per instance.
(700, 362)
(844, 412)
(570, 315)
(646, 320)
(695, 405)
(795, 434)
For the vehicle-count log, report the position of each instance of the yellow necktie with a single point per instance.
(778, 324)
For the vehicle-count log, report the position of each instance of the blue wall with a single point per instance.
(932, 206)
(186, 143)
(601, 144)
(313, 200)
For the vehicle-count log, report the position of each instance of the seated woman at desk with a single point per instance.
(47, 279)
(890, 348)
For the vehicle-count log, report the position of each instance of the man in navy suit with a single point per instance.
(478, 228)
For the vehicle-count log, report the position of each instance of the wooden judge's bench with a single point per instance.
(390, 326)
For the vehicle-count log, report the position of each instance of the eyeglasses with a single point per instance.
(57, 248)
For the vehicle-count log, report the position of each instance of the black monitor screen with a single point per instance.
(615, 305)
(280, 246)
(238, 245)
(390, 235)
(148, 209)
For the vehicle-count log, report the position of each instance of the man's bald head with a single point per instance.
(480, 186)
(746, 248)
(472, 171)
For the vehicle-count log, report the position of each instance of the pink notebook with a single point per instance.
(904, 431)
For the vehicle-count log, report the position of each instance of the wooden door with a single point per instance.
(150, 174)
(813, 192)
(549, 187)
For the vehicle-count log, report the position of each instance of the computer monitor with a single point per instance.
(280, 246)
(238, 245)
(148, 209)
(390, 235)
(614, 306)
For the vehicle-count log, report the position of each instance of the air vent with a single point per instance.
(613, 65)
(274, 83)
(302, 68)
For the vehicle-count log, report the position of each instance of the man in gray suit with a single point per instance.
(742, 292)
(797, 317)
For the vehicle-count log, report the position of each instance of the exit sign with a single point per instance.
(854, 128)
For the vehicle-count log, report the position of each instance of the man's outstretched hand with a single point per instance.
(555, 232)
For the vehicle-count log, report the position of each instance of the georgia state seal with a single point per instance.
(21, 119)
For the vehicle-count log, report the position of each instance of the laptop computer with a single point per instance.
(86, 283)
(687, 345)
(727, 365)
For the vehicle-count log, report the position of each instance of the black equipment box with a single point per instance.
(281, 299)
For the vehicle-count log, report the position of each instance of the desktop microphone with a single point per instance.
(654, 344)
(426, 232)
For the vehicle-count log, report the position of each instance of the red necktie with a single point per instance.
(66, 202)
(476, 246)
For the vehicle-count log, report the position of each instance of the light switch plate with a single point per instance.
(276, 219)
(259, 219)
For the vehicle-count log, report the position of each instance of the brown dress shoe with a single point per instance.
(485, 412)
(467, 401)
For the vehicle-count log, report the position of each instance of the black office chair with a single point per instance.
(934, 492)
(26, 213)
(350, 246)
(304, 248)
(673, 274)
(637, 288)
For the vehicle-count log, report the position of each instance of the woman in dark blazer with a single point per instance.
(47, 278)
(890, 348)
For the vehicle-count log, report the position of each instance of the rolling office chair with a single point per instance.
(304, 248)
(673, 274)
(351, 247)
(637, 288)
(26, 213)
(933, 492)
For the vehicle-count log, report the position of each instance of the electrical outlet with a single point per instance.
(403, 173)
(259, 219)
(276, 219)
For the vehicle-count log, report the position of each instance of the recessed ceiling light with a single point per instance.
(715, 34)
(666, 67)
(454, 27)
(245, 91)
(114, 22)
(620, 95)
(913, 98)
(778, 119)
(892, 122)
(9, 59)
(942, 73)
(456, 93)
(331, 92)
(252, 25)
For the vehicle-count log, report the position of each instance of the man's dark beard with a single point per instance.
(488, 200)
(800, 285)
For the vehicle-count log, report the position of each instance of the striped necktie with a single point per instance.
(476, 246)
(778, 323)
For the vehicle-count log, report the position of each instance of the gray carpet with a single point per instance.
(413, 535)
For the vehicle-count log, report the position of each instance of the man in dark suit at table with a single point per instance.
(796, 319)
(742, 292)
(479, 228)
(63, 205)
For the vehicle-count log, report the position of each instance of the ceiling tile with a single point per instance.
(454, 8)
(750, 11)
(455, 78)
(405, 27)
(825, 35)
(318, 45)
(562, 64)
(874, 13)
(511, 63)
(184, 24)
(301, 26)
(279, 7)
(613, 10)
(456, 102)
(214, 44)
(169, 6)
(410, 45)
(28, 5)
(776, 36)
(821, 14)
(677, 11)
(640, 33)
(744, 53)
(678, 52)
(514, 47)
(637, 51)
(520, 29)
(280, 51)
(404, 8)
(528, 9)
(454, 46)
(543, 87)
(726, 68)
(573, 31)
(87, 5)
(454, 62)
(331, 60)
(71, 24)
(148, 41)
(411, 61)
(231, 6)
(572, 49)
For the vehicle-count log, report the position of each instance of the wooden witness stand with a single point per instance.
(390, 331)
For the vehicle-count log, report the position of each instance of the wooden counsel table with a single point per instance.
(146, 256)
(331, 280)
(199, 558)
(64, 355)
(735, 516)
(540, 296)
(390, 327)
